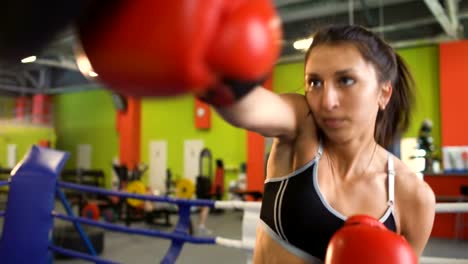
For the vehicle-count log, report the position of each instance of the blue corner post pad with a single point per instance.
(28, 218)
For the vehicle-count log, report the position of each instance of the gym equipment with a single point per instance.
(203, 187)
(160, 216)
(137, 187)
(129, 211)
(89, 205)
(84, 176)
(91, 211)
(426, 143)
(168, 183)
(208, 186)
(110, 215)
(67, 237)
(240, 187)
(185, 189)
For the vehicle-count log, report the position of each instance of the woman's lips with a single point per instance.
(333, 122)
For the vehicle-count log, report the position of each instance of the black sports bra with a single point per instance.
(296, 215)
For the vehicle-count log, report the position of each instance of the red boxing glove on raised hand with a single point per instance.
(365, 240)
(217, 49)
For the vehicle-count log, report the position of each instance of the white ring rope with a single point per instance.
(452, 208)
(233, 243)
(440, 207)
(238, 244)
(435, 260)
(238, 205)
(248, 243)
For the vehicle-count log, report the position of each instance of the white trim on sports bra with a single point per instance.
(288, 246)
(301, 169)
(391, 180)
(391, 192)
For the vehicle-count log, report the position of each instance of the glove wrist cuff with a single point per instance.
(229, 92)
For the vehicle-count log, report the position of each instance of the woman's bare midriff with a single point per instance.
(269, 251)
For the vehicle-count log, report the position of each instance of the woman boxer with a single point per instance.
(329, 159)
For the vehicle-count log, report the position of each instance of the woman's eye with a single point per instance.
(315, 83)
(346, 81)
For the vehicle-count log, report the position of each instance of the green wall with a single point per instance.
(289, 78)
(172, 119)
(87, 118)
(424, 65)
(21, 134)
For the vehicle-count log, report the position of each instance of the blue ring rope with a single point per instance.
(78, 187)
(139, 231)
(4, 183)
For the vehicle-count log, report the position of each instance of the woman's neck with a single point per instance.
(351, 159)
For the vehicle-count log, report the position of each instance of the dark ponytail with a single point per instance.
(396, 117)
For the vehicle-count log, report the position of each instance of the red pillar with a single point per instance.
(22, 108)
(41, 109)
(453, 66)
(128, 127)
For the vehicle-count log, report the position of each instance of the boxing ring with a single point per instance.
(29, 216)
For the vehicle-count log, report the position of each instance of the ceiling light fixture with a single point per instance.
(302, 44)
(29, 59)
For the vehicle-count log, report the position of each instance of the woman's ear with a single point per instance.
(385, 95)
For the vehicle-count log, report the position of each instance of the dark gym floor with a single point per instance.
(144, 250)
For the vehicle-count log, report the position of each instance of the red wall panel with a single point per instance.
(447, 187)
(454, 93)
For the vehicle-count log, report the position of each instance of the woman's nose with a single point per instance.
(330, 98)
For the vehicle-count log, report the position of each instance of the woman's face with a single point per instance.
(343, 91)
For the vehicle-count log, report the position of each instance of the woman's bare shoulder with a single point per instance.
(306, 129)
(299, 104)
(298, 100)
(410, 185)
(416, 202)
(414, 195)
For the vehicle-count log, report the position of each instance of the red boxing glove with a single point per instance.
(217, 49)
(365, 240)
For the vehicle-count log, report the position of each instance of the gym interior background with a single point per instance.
(45, 100)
